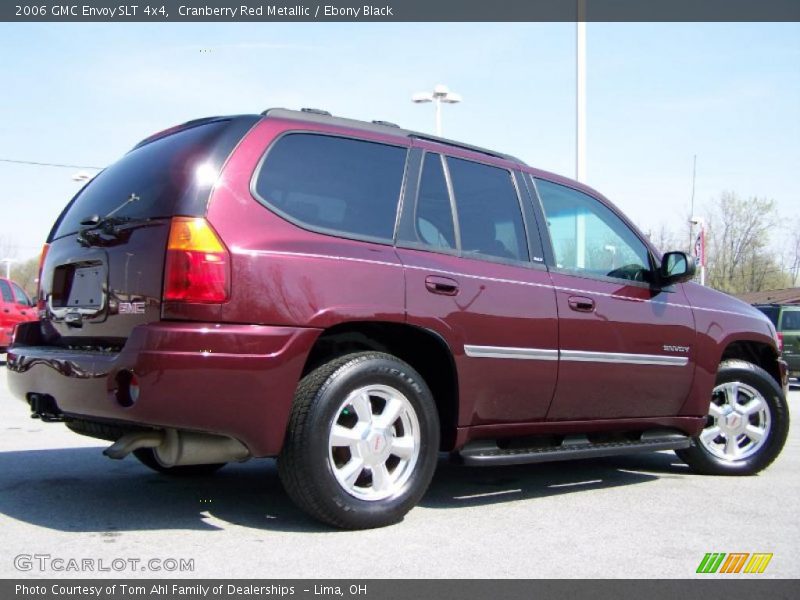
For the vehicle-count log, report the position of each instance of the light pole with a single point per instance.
(439, 95)
(580, 93)
(8, 262)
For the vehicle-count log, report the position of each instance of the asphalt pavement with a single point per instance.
(67, 511)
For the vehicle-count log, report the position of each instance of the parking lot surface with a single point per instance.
(640, 516)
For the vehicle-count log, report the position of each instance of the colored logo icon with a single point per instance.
(735, 562)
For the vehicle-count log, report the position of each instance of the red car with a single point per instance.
(15, 307)
(353, 298)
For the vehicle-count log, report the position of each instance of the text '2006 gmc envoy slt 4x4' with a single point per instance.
(353, 298)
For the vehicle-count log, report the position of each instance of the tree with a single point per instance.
(25, 273)
(739, 258)
(793, 256)
(665, 238)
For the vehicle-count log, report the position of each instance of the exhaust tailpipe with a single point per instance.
(133, 441)
(173, 448)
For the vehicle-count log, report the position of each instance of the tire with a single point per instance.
(745, 437)
(338, 462)
(148, 458)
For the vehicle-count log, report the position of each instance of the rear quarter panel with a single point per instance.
(283, 274)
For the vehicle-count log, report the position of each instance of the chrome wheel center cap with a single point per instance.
(377, 444)
(733, 422)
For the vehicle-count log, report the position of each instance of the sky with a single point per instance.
(657, 95)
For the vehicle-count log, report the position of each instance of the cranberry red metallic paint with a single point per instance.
(260, 334)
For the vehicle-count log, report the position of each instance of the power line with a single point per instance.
(45, 164)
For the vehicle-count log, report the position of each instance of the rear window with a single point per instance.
(771, 312)
(171, 175)
(332, 184)
(790, 320)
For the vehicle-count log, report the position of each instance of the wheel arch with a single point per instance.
(755, 352)
(425, 350)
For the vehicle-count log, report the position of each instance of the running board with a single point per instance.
(486, 452)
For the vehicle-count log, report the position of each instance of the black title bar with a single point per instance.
(401, 11)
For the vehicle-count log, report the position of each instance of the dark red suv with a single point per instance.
(353, 298)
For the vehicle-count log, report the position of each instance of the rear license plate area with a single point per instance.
(78, 286)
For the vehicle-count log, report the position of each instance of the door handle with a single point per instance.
(437, 284)
(581, 303)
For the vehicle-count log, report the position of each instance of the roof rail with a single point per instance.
(324, 117)
(447, 142)
(386, 123)
(316, 111)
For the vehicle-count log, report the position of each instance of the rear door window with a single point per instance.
(434, 213)
(489, 215)
(333, 184)
(22, 297)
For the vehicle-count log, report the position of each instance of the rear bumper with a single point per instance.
(234, 380)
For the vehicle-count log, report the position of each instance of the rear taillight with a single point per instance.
(198, 264)
(780, 342)
(40, 301)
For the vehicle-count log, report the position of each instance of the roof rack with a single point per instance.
(316, 111)
(383, 127)
(441, 140)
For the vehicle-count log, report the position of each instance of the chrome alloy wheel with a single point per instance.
(374, 442)
(738, 422)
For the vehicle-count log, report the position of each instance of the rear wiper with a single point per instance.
(96, 226)
(98, 221)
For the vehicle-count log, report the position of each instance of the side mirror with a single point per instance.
(676, 267)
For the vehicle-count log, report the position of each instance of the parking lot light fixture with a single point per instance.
(440, 95)
(8, 262)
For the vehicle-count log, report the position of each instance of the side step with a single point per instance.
(486, 452)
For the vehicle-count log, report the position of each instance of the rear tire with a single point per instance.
(747, 424)
(148, 458)
(362, 441)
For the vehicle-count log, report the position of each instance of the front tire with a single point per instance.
(747, 423)
(362, 441)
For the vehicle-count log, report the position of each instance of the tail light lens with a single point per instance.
(780, 342)
(40, 300)
(198, 263)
